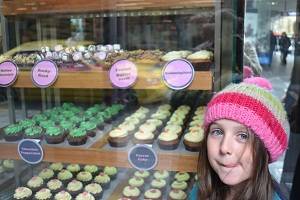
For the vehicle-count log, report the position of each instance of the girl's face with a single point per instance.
(230, 151)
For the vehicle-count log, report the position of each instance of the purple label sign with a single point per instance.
(178, 74)
(30, 151)
(44, 73)
(8, 73)
(142, 157)
(123, 74)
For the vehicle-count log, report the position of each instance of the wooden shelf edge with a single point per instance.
(203, 80)
(168, 161)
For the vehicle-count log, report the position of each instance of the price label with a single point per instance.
(44, 73)
(30, 151)
(142, 157)
(123, 74)
(8, 73)
(178, 74)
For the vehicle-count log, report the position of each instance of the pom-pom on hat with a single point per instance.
(252, 104)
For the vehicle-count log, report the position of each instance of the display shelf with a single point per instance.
(15, 7)
(98, 79)
(172, 160)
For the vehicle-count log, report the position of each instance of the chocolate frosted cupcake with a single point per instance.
(54, 135)
(84, 177)
(43, 194)
(35, 183)
(103, 179)
(34, 132)
(55, 185)
(13, 132)
(65, 176)
(74, 187)
(46, 174)
(22, 193)
(63, 195)
(95, 189)
(77, 137)
(90, 128)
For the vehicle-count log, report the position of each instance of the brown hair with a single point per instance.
(258, 187)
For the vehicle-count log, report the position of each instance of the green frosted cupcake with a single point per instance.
(75, 119)
(46, 174)
(111, 171)
(26, 123)
(34, 132)
(13, 132)
(77, 137)
(67, 114)
(74, 168)
(85, 177)
(56, 167)
(67, 126)
(93, 169)
(90, 128)
(54, 135)
(65, 176)
(47, 124)
(38, 118)
(103, 179)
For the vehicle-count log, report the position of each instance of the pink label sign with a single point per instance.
(8, 73)
(44, 73)
(123, 74)
(178, 74)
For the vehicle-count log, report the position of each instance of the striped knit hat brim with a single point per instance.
(257, 109)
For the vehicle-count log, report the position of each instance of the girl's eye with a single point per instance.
(216, 132)
(243, 137)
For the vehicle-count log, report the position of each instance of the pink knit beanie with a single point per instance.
(251, 104)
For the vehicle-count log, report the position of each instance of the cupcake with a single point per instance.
(8, 165)
(90, 128)
(136, 182)
(153, 194)
(148, 127)
(55, 185)
(128, 127)
(168, 141)
(164, 174)
(182, 176)
(95, 189)
(34, 132)
(63, 195)
(13, 132)
(26, 123)
(35, 183)
(159, 184)
(54, 135)
(111, 172)
(174, 129)
(84, 177)
(143, 137)
(67, 126)
(142, 174)
(56, 167)
(201, 59)
(177, 195)
(85, 196)
(93, 169)
(47, 124)
(74, 187)
(192, 140)
(65, 176)
(131, 192)
(22, 193)
(179, 185)
(46, 174)
(43, 194)
(103, 179)
(77, 137)
(73, 168)
(118, 138)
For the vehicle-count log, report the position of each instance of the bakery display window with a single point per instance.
(105, 100)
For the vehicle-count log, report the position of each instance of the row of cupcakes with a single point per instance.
(195, 134)
(55, 124)
(169, 138)
(160, 183)
(58, 183)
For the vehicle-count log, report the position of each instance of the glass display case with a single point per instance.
(108, 96)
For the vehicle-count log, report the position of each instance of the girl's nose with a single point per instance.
(226, 146)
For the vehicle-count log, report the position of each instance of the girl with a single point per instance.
(246, 129)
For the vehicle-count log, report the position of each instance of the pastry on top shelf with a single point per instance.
(172, 55)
